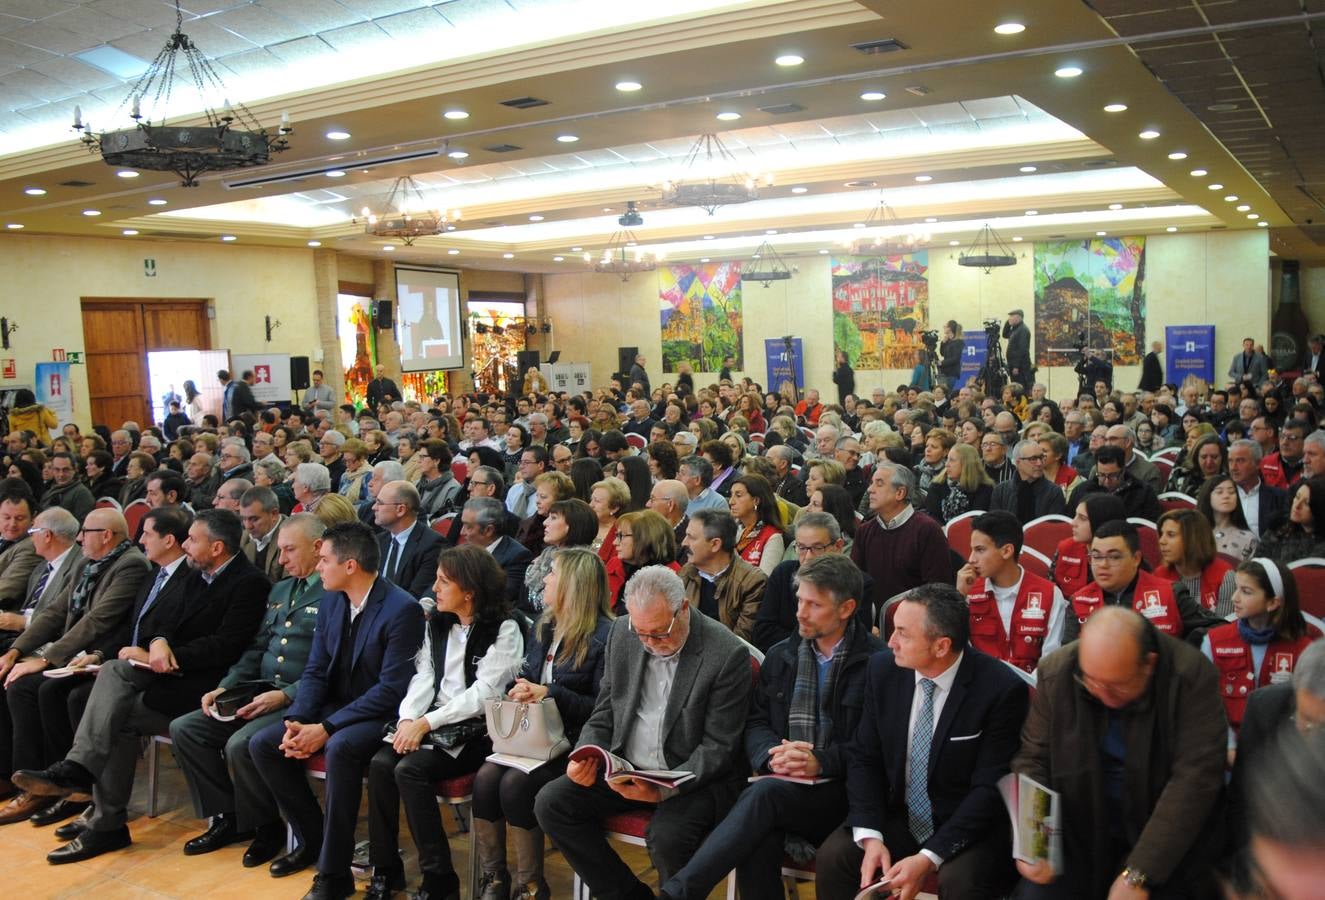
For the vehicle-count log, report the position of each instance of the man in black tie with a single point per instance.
(179, 643)
(408, 546)
(924, 797)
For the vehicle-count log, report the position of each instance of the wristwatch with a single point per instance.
(1134, 877)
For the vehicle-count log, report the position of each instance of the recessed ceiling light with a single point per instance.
(1231, 198)
(704, 259)
(338, 135)
(1242, 207)
(858, 225)
(930, 219)
(799, 190)
(91, 212)
(1009, 28)
(455, 114)
(628, 86)
(1198, 173)
(567, 138)
(335, 173)
(1115, 206)
(14, 226)
(129, 232)
(1068, 71)
(953, 243)
(873, 95)
(728, 116)
(1032, 212)
(1253, 215)
(453, 252)
(607, 209)
(388, 247)
(228, 238)
(315, 243)
(127, 173)
(1177, 154)
(458, 154)
(789, 59)
(1262, 224)
(1016, 237)
(1116, 107)
(508, 256)
(1101, 233)
(1148, 135)
(576, 249)
(923, 178)
(535, 218)
(1171, 228)
(156, 201)
(558, 259)
(708, 237)
(35, 192)
(770, 231)
(1215, 187)
(1027, 169)
(823, 252)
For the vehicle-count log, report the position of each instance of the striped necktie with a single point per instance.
(920, 813)
(147, 604)
(35, 597)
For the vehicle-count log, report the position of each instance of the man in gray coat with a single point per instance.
(674, 696)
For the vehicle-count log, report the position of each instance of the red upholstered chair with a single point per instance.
(1035, 562)
(1309, 573)
(107, 503)
(443, 525)
(133, 515)
(636, 441)
(1165, 466)
(460, 468)
(1149, 535)
(1171, 500)
(1046, 533)
(959, 532)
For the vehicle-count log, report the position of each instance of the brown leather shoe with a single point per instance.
(21, 808)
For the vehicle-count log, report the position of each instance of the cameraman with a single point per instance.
(950, 355)
(1018, 336)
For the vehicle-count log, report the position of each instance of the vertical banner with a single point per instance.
(271, 375)
(974, 354)
(55, 392)
(1189, 350)
(782, 364)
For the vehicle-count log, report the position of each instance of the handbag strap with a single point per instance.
(520, 712)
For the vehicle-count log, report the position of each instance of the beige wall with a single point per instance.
(1215, 278)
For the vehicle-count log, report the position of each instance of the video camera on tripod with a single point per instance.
(1090, 367)
(995, 372)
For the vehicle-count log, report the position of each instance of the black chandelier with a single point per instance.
(767, 266)
(989, 252)
(230, 139)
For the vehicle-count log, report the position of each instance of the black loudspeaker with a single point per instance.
(625, 358)
(299, 373)
(382, 315)
(526, 360)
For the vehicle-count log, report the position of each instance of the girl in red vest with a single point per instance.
(642, 539)
(1262, 645)
(759, 541)
(1071, 563)
(1187, 548)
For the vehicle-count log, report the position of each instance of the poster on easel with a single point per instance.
(55, 392)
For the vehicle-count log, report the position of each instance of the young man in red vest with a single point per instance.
(1016, 616)
(1115, 562)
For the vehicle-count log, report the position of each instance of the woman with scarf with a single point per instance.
(642, 539)
(964, 485)
(760, 540)
(568, 523)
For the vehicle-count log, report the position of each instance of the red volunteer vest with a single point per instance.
(751, 546)
(1072, 567)
(1152, 598)
(1234, 661)
(1212, 576)
(1030, 621)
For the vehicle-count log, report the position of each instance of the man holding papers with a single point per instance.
(674, 696)
(805, 709)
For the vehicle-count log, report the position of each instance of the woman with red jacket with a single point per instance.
(1071, 563)
(642, 538)
(760, 540)
(1263, 644)
(1187, 549)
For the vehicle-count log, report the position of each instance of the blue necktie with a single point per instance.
(147, 604)
(920, 814)
(35, 597)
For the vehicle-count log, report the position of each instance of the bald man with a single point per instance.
(1127, 725)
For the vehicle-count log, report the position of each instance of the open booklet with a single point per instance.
(68, 671)
(1036, 825)
(875, 891)
(794, 779)
(617, 769)
(525, 764)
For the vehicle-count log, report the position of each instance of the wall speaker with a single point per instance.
(299, 373)
(382, 310)
(625, 358)
(526, 360)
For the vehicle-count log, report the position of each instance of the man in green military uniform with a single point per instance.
(214, 754)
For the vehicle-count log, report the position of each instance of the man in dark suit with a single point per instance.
(177, 646)
(924, 795)
(408, 547)
(1018, 335)
(242, 399)
(674, 696)
(1313, 360)
(260, 512)
(480, 524)
(1265, 507)
(381, 390)
(1028, 494)
(18, 558)
(360, 665)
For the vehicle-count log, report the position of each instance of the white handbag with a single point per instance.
(532, 730)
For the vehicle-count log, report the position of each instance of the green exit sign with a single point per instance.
(75, 357)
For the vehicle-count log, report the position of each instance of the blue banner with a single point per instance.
(56, 392)
(973, 354)
(780, 367)
(1189, 350)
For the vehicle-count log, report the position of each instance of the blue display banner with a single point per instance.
(973, 354)
(1189, 350)
(780, 367)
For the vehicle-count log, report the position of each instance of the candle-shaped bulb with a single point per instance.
(78, 117)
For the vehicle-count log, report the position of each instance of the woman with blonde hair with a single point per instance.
(297, 452)
(962, 486)
(608, 498)
(549, 488)
(642, 538)
(823, 471)
(354, 481)
(332, 509)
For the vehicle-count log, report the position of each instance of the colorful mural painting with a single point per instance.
(1096, 288)
(701, 315)
(880, 306)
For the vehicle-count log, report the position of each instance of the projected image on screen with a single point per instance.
(428, 319)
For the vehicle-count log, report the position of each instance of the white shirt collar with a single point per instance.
(944, 682)
(59, 560)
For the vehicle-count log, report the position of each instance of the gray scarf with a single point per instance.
(809, 715)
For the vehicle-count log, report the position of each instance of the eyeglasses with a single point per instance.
(1038, 458)
(655, 635)
(37, 529)
(811, 548)
(1108, 476)
(622, 535)
(91, 530)
(474, 482)
(1111, 559)
(1306, 726)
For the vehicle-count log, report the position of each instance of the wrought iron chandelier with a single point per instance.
(716, 178)
(988, 252)
(767, 266)
(622, 257)
(890, 237)
(232, 138)
(405, 215)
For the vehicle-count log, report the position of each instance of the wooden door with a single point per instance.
(175, 326)
(116, 363)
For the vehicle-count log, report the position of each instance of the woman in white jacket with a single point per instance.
(473, 648)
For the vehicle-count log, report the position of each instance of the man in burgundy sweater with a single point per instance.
(900, 548)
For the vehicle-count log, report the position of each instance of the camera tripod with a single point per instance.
(994, 374)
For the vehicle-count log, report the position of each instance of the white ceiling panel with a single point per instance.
(470, 12)
(893, 119)
(371, 9)
(34, 82)
(257, 25)
(314, 16)
(78, 76)
(214, 42)
(208, 7)
(414, 24)
(35, 9)
(943, 114)
(992, 107)
(304, 49)
(54, 40)
(252, 63)
(144, 44)
(15, 97)
(90, 23)
(149, 13)
(354, 37)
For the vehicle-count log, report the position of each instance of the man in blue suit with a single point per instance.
(940, 725)
(368, 631)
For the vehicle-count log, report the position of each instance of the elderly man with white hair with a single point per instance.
(311, 483)
(1137, 465)
(659, 648)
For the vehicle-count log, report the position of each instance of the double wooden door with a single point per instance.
(118, 333)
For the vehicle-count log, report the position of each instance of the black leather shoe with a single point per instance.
(296, 860)
(65, 809)
(70, 830)
(268, 841)
(223, 833)
(330, 887)
(63, 779)
(384, 884)
(89, 844)
(439, 887)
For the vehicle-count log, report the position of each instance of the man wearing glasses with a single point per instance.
(409, 548)
(1283, 468)
(1112, 477)
(67, 491)
(674, 696)
(1029, 495)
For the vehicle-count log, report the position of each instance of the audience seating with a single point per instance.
(134, 513)
(1309, 573)
(757, 437)
(460, 468)
(886, 613)
(153, 769)
(1149, 535)
(636, 440)
(1169, 453)
(1046, 533)
(1036, 563)
(1232, 560)
(1165, 466)
(1171, 500)
(107, 503)
(443, 525)
(959, 532)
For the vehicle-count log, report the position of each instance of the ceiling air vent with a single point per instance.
(918, 90)
(502, 148)
(76, 183)
(782, 109)
(524, 103)
(1099, 163)
(883, 45)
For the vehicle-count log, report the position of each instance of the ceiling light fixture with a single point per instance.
(930, 219)
(535, 218)
(704, 259)
(14, 226)
(954, 243)
(709, 189)
(873, 95)
(453, 252)
(228, 238)
(1171, 228)
(455, 114)
(1115, 107)
(770, 231)
(1215, 187)
(767, 266)
(1262, 224)
(406, 215)
(387, 248)
(91, 212)
(890, 237)
(1198, 173)
(232, 138)
(1032, 212)
(127, 173)
(338, 135)
(627, 86)
(799, 190)
(35, 192)
(567, 138)
(1148, 135)
(157, 201)
(1100, 233)
(823, 252)
(1016, 238)
(789, 59)
(1253, 215)
(728, 116)
(1177, 155)
(1027, 169)
(1068, 71)
(558, 259)
(1242, 207)
(1009, 28)
(458, 154)
(988, 252)
(1115, 206)
(315, 243)
(1231, 198)
(335, 173)
(924, 178)
(622, 257)
(129, 232)
(508, 256)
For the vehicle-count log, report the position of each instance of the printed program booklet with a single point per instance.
(617, 769)
(1036, 824)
